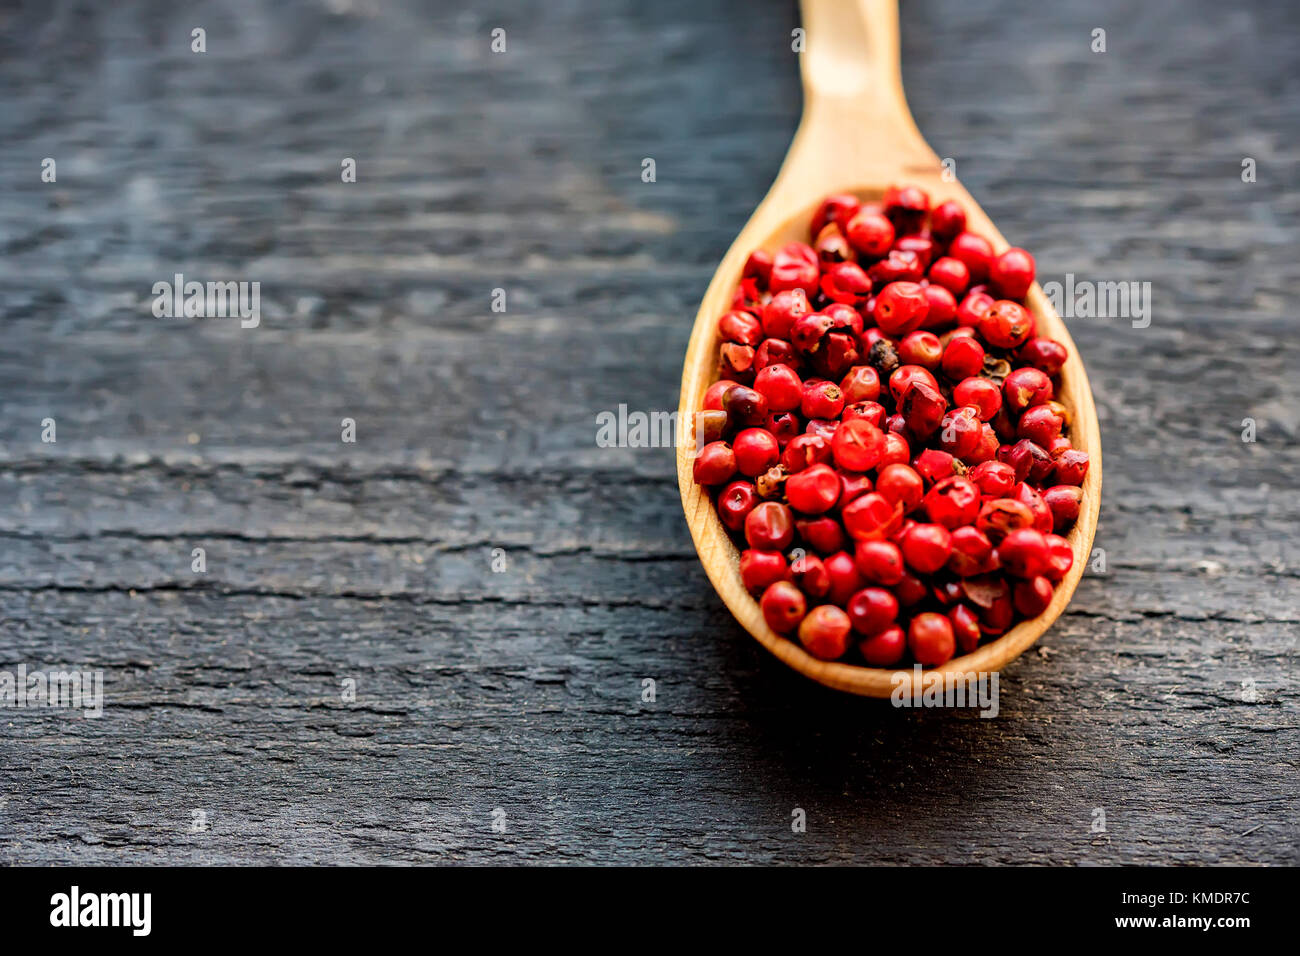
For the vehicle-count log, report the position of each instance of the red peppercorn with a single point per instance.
(901, 484)
(997, 618)
(804, 451)
(839, 352)
(735, 503)
(899, 265)
(741, 327)
(1064, 502)
(987, 449)
(844, 318)
(1060, 558)
(745, 407)
(832, 247)
(971, 552)
(1031, 499)
(994, 478)
(1046, 355)
(756, 450)
(758, 266)
(922, 245)
(884, 649)
(870, 233)
(783, 606)
(844, 575)
(911, 590)
(934, 465)
(1041, 424)
(965, 627)
(808, 330)
(861, 384)
(922, 408)
(926, 547)
(971, 309)
(855, 485)
(837, 209)
(905, 375)
(1006, 324)
(1000, 516)
(770, 485)
(871, 335)
(715, 464)
(871, 516)
(950, 273)
(921, 348)
(960, 431)
(821, 399)
(975, 253)
(1005, 425)
(857, 445)
(985, 590)
(1071, 467)
(1026, 387)
(872, 412)
(880, 562)
(824, 632)
(759, 569)
(794, 266)
(776, 352)
(1023, 552)
(748, 296)
(770, 527)
(900, 308)
(947, 220)
(1012, 273)
(871, 610)
(897, 535)
(980, 394)
(826, 535)
(783, 425)
(779, 315)
(906, 207)
(736, 361)
(1029, 460)
(953, 502)
(897, 450)
(813, 490)
(1032, 597)
(781, 386)
(942, 307)
(822, 427)
(947, 592)
(810, 575)
(713, 395)
(845, 282)
(930, 639)
(1059, 446)
(963, 357)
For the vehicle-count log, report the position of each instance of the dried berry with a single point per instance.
(884, 439)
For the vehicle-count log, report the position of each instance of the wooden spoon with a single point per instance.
(857, 135)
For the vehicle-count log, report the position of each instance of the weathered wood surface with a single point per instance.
(521, 690)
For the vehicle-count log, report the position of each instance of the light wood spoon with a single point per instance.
(857, 135)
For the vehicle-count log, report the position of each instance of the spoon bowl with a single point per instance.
(857, 136)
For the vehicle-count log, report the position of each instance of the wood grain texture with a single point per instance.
(522, 690)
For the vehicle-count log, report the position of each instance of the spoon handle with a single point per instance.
(856, 126)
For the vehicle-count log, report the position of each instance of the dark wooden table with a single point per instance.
(1166, 696)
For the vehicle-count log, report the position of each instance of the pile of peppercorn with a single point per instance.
(884, 440)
